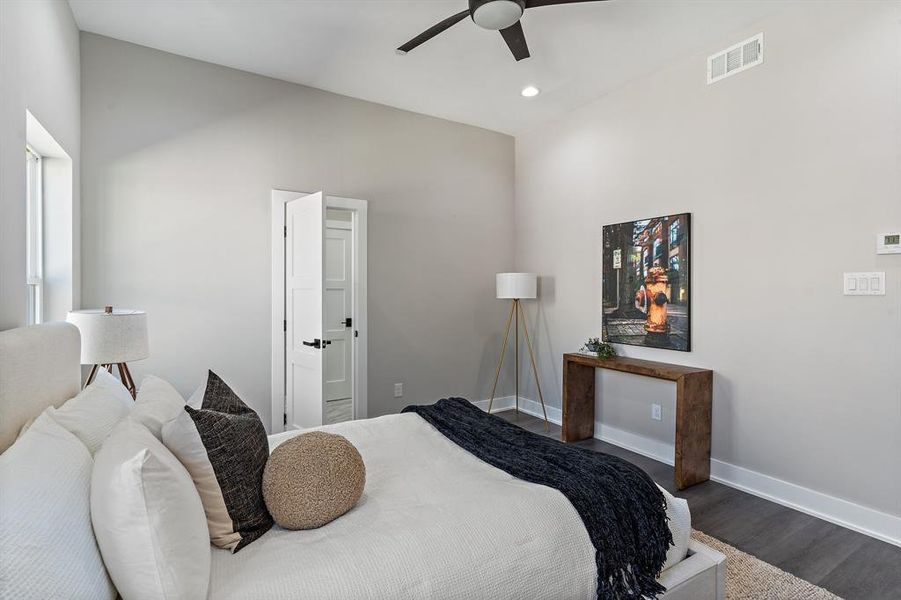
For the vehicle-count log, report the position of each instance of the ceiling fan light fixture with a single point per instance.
(497, 14)
(530, 91)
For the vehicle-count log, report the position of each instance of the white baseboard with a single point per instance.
(500, 404)
(856, 517)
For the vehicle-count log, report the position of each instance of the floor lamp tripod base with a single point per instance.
(517, 319)
(124, 375)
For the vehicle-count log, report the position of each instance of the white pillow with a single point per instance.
(93, 413)
(148, 518)
(47, 545)
(196, 398)
(157, 404)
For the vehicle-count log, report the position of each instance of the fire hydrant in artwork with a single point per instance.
(655, 285)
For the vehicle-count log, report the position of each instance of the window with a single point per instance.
(674, 234)
(34, 236)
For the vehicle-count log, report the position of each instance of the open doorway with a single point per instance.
(338, 308)
(319, 351)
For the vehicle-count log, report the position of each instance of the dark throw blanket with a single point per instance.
(623, 510)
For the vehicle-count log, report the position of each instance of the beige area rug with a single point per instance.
(749, 578)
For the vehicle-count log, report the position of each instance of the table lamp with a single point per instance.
(111, 337)
(516, 287)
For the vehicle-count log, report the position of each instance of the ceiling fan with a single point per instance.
(497, 15)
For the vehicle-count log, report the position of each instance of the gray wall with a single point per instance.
(789, 170)
(39, 71)
(179, 158)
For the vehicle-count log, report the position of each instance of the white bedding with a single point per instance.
(433, 522)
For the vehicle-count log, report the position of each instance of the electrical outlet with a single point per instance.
(398, 390)
(656, 412)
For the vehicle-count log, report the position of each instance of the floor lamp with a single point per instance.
(516, 287)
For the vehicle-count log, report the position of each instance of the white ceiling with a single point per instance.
(466, 74)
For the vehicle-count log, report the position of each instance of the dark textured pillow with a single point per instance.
(223, 446)
(219, 397)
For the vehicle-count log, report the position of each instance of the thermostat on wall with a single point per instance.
(888, 243)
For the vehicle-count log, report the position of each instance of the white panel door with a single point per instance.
(338, 309)
(304, 315)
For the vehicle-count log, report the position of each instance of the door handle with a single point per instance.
(348, 322)
(317, 343)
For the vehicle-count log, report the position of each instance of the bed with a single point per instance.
(434, 521)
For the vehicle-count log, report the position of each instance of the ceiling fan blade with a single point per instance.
(516, 41)
(433, 31)
(534, 3)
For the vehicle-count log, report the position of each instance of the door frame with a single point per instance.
(359, 211)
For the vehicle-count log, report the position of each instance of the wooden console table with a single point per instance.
(694, 399)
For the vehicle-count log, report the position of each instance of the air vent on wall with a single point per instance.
(735, 59)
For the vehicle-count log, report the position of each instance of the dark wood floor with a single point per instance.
(849, 564)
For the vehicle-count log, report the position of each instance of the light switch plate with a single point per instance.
(865, 284)
(398, 390)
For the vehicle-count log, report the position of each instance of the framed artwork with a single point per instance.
(646, 275)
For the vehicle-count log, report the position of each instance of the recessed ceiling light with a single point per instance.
(530, 91)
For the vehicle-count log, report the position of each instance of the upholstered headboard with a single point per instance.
(39, 367)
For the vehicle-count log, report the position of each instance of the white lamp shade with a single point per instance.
(108, 338)
(517, 285)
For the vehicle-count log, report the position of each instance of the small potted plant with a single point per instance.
(599, 348)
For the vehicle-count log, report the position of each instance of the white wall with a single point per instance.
(179, 158)
(789, 171)
(39, 71)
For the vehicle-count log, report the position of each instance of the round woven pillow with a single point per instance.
(313, 479)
